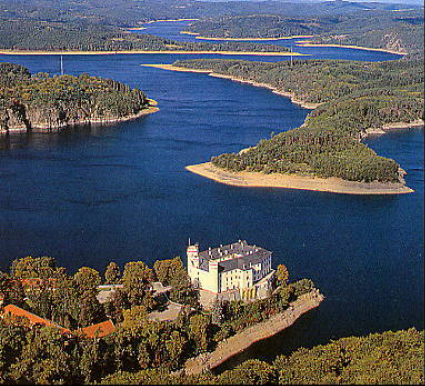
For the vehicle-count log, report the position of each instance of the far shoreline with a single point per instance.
(144, 52)
(293, 181)
(287, 94)
(198, 36)
(308, 44)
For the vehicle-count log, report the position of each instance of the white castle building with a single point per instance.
(237, 267)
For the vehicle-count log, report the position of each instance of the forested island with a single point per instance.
(380, 29)
(352, 100)
(40, 101)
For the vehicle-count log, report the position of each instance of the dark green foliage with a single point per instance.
(112, 273)
(355, 96)
(29, 267)
(386, 358)
(382, 358)
(172, 273)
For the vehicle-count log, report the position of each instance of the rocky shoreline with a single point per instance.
(41, 126)
(260, 331)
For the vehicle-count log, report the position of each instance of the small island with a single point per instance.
(42, 102)
(326, 152)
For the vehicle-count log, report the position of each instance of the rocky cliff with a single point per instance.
(42, 102)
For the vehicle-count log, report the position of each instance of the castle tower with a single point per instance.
(193, 261)
(213, 278)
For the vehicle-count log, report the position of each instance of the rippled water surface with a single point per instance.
(92, 195)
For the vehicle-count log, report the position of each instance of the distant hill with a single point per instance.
(400, 31)
(83, 36)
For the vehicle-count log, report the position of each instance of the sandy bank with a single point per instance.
(245, 39)
(263, 330)
(393, 126)
(170, 67)
(150, 110)
(126, 52)
(293, 181)
(308, 44)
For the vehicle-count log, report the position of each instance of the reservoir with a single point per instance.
(89, 196)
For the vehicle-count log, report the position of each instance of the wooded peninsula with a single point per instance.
(352, 100)
(39, 101)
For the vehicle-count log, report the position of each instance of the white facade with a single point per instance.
(234, 267)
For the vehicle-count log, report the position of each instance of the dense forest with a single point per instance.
(40, 101)
(354, 97)
(100, 25)
(54, 36)
(399, 31)
(51, 354)
(381, 358)
(124, 13)
(31, 35)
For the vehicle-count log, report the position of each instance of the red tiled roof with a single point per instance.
(15, 311)
(102, 329)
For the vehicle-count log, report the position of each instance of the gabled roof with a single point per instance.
(99, 330)
(17, 312)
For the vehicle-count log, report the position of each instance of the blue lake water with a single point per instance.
(92, 195)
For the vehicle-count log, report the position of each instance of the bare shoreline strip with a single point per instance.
(308, 44)
(170, 67)
(263, 330)
(245, 39)
(144, 52)
(150, 110)
(293, 181)
(168, 20)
